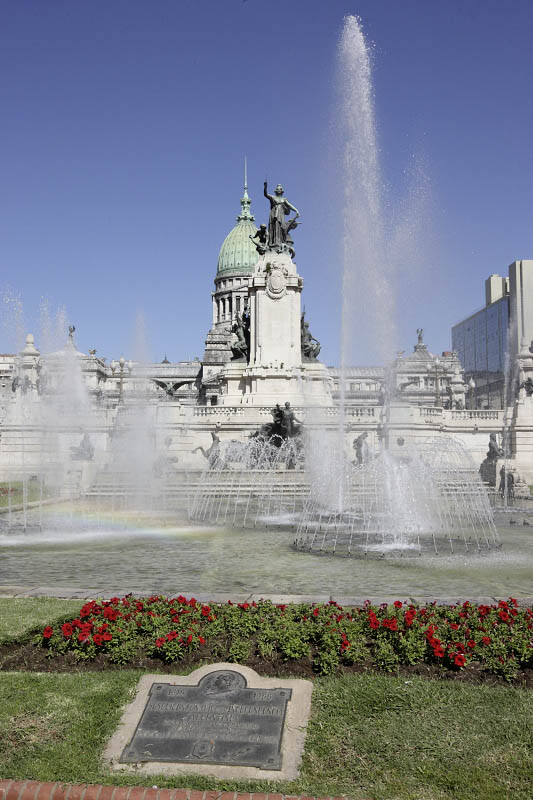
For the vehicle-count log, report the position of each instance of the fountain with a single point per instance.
(426, 498)
(382, 497)
(429, 500)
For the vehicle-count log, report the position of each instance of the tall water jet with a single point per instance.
(379, 502)
(366, 265)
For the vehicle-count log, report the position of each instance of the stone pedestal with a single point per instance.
(274, 293)
(275, 372)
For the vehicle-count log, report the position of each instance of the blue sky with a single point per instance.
(125, 124)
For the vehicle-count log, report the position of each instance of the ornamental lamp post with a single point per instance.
(121, 363)
(437, 370)
(471, 387)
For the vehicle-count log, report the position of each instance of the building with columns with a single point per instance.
(183, 403)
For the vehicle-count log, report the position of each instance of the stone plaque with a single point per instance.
(218, 721)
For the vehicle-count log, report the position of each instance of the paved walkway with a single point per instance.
(70, 593)
(38, 790)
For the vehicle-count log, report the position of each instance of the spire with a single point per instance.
(245, 200)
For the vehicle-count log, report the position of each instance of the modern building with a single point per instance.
(488, 341)
(481, 344)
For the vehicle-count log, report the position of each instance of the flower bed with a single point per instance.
(498, 638)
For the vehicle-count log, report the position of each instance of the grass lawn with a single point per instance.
(18, 615)
(14, 493)
(370, 735)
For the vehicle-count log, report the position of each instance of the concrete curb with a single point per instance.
(69, 593)
(41, 790)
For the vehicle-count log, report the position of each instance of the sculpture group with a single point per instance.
(277, 236)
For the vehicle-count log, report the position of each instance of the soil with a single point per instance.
(28, 657)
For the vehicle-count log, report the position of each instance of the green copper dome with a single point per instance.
(238, 254)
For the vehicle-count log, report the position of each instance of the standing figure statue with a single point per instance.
(279, 208)
(310, 345)
(239, 345)
(420, 334)
(360, 446)
(506, 486)
(290, 425)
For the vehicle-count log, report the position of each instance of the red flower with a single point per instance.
(504, 616)
(373, 621)
(189, 638)
(459, 661)
(201, 640)
(107, 637)
(316, 612)
(48, 631)
(160, 642)
(82, 637)
(97, 639)
(67, 629)
(409, 617)
(398, 604)
(471, 643)
(172, 635)
(438, 652)
(454, 626)
(206, 611)
(486, 640)
(88, 608)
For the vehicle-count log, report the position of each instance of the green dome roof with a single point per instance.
(238, 254)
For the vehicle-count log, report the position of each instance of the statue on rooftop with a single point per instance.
(277, 227)
(420, 334)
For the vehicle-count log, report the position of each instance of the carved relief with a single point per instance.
(276, 284)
